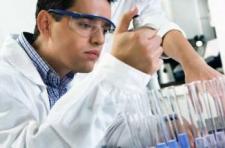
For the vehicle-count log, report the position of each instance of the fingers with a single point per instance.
(157, 64)
(126, 19)
(154, 46)
(155, 52)
(146, 32)
(150, 44)
(141, 47)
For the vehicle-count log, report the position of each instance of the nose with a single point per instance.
(98, 38)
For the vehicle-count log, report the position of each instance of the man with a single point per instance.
(35, 70)
(174, 43)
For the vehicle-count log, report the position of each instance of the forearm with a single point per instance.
(194, 66)
(176, 46)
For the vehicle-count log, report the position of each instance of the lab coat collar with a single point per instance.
(15, 55)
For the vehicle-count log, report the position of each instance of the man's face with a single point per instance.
(72, 50)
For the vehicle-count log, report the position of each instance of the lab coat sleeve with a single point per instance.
(83, 115)
(80, 118)
(152, 15)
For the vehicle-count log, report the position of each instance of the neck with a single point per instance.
(47, 55)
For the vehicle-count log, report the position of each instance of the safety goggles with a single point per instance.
(86, 24)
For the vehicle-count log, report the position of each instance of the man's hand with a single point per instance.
(140, 48)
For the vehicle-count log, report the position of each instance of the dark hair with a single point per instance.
(53, 4)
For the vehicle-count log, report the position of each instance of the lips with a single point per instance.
(92, 54)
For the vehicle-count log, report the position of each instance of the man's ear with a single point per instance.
(44, 20)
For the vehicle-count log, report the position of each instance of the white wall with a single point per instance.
(16, 16)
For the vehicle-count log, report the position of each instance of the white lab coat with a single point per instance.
(79, 119)
(150, 14)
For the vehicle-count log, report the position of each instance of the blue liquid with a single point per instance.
(183, 140)
(172, 144)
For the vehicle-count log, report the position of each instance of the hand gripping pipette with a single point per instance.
(138, 23)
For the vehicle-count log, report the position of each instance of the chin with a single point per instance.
(84, 67)
(86, 70)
